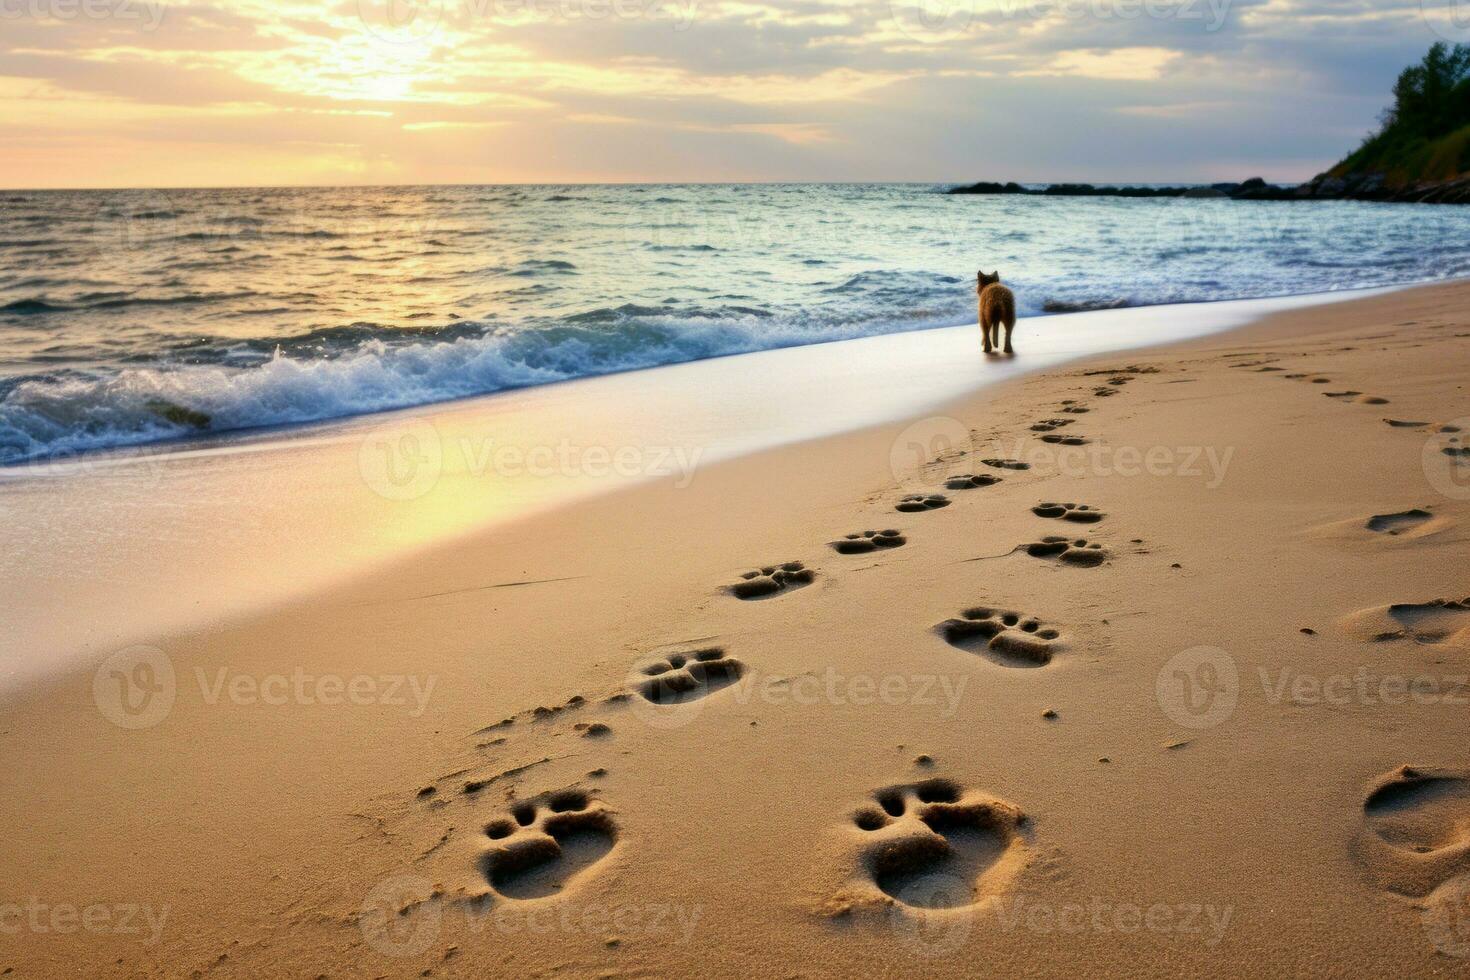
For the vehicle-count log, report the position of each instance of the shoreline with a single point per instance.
(242, 438)
(385, 485)
(276, 825)
(269, 824)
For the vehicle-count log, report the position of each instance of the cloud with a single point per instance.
(699, 89)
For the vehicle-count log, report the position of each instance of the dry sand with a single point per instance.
(588, 744)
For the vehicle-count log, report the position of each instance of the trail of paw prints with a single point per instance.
(932, 845)
(1003, 636)
(1076, 513)
(867, 542)
(772, 580)
(542, 844)
(1070, 551)
(917, 503)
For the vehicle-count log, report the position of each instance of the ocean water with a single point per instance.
(129, 317)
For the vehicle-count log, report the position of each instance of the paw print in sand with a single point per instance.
(1008, 638)
(688, 676)
(545, 842)
(867, 542)
(970, 481)
(1047, 425)
(931, 845)
(772, 580)
(1073, 551)
(1076, 513)
(918, 502)
(1006, 464)
(1057, 440)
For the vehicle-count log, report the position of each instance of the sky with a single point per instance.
(128, 93)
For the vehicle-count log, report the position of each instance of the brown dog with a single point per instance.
(997, 306)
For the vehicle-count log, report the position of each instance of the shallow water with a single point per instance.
(136, 544)
(129, 317)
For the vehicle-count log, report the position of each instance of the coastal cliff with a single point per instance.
(1420, 153)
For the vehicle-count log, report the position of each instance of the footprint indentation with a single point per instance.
(1058, 440)
(689, 676)
(1008, 638)
(1006, 464)
(1416, 829)
(772, 580)
(1073, 551)
(545, 842)
(867, 542)
(1404, 520)
(918, 502)
(969, 481)
(1356, 396)
(932, 845)
(1076, 513)
(1047, 425)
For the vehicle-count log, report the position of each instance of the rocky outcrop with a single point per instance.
(1374, 187)
(1323, 187)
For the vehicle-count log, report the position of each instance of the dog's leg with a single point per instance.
(985, 335)
(1009, 327)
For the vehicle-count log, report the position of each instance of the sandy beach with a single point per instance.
(1151, 663)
